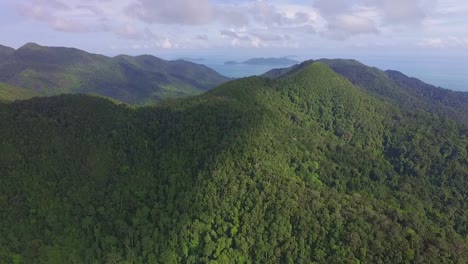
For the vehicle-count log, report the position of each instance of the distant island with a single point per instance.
(265, 61)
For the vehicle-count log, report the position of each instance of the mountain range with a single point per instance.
(135, 80)
(324, 162)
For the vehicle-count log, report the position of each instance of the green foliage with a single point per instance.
(136, 80)
(9, 93)
(303, 169)
(395, 87)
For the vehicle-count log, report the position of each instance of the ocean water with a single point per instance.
(450, 72)
(242, 70)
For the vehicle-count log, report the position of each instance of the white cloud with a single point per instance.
(201, 37)
(404, 11)
(344, 26)
(129, 31)
(233, 35)
(183, 12)
(452, 8)
(349, 18)
(63, 17)
(65, 25)
(166, 44)
(255, 23)
(268, 15)
(450, 42)
(268, 36)
(391, 11)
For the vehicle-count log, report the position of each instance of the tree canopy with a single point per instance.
(303, 169)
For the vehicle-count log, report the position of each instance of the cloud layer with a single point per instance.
(183, 12)
(252, 23)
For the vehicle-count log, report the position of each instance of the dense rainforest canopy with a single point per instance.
(306, 168)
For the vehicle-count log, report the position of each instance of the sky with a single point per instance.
(242, 28)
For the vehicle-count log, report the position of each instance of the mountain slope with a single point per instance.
(51, 71)
(455, 101)
(409, 93)
(5, 51)
(302, 169)
(179, 73)
(9, 93)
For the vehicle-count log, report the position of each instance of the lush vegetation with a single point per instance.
(135, 80)
(395, 87)
(9, 93)
(307, 168)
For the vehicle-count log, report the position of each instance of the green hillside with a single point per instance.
(135, 80)
(9, 93)
(395, 87)
(302, 169)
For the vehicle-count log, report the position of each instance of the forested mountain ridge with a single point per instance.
(135, 80)
(307, 168)
(5, 51)
(393, 86)
(455, 101)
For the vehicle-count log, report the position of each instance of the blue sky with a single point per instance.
(197, 28)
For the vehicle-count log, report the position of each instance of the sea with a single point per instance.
(449, 72)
